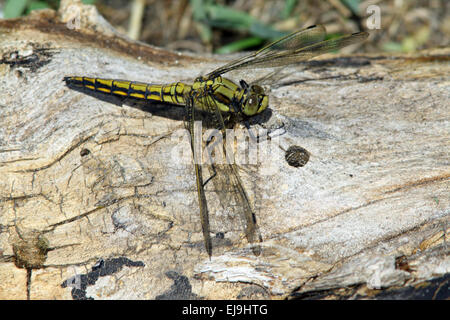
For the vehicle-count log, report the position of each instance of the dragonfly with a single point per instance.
(219, 97)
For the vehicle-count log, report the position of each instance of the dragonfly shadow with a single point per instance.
(318, 67)
(171, 111)
(156, 108)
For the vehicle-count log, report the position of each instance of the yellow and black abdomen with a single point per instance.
(170, 93)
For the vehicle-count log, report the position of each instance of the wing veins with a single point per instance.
(229, 169)
(289, 43)
(271, 56)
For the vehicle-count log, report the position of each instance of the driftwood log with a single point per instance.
(93, 204)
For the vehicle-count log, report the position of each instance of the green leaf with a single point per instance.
(89, 1)
(392, 47)
(14, 8)
(353, 5)
(239, 45)
(224, 17)
(208, 14)
(36, 5)
(227, 18)
(199, 8)
(264, 31)
(288, 7)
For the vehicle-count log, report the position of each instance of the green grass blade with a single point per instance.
(240, 45)
(14, 8)
(36, 5)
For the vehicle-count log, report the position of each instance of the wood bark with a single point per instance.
(94, 204)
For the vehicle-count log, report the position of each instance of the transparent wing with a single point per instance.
(291, 42)
(299, 46)
(227, 182)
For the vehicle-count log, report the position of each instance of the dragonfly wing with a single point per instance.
(297, 47)
(227, 182)
(304, 54)
(289, 43)
(204, 217)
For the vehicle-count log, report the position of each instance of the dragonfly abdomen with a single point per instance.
(171, 93)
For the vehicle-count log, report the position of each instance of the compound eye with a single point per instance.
(251, 105)
(252, 101)
(257, 89)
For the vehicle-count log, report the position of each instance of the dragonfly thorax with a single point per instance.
(229, 96)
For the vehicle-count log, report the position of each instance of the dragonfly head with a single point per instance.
(254, 100)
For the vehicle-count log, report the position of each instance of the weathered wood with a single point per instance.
(91, 188)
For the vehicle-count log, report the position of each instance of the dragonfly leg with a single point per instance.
(267, 133)
(211, 162)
